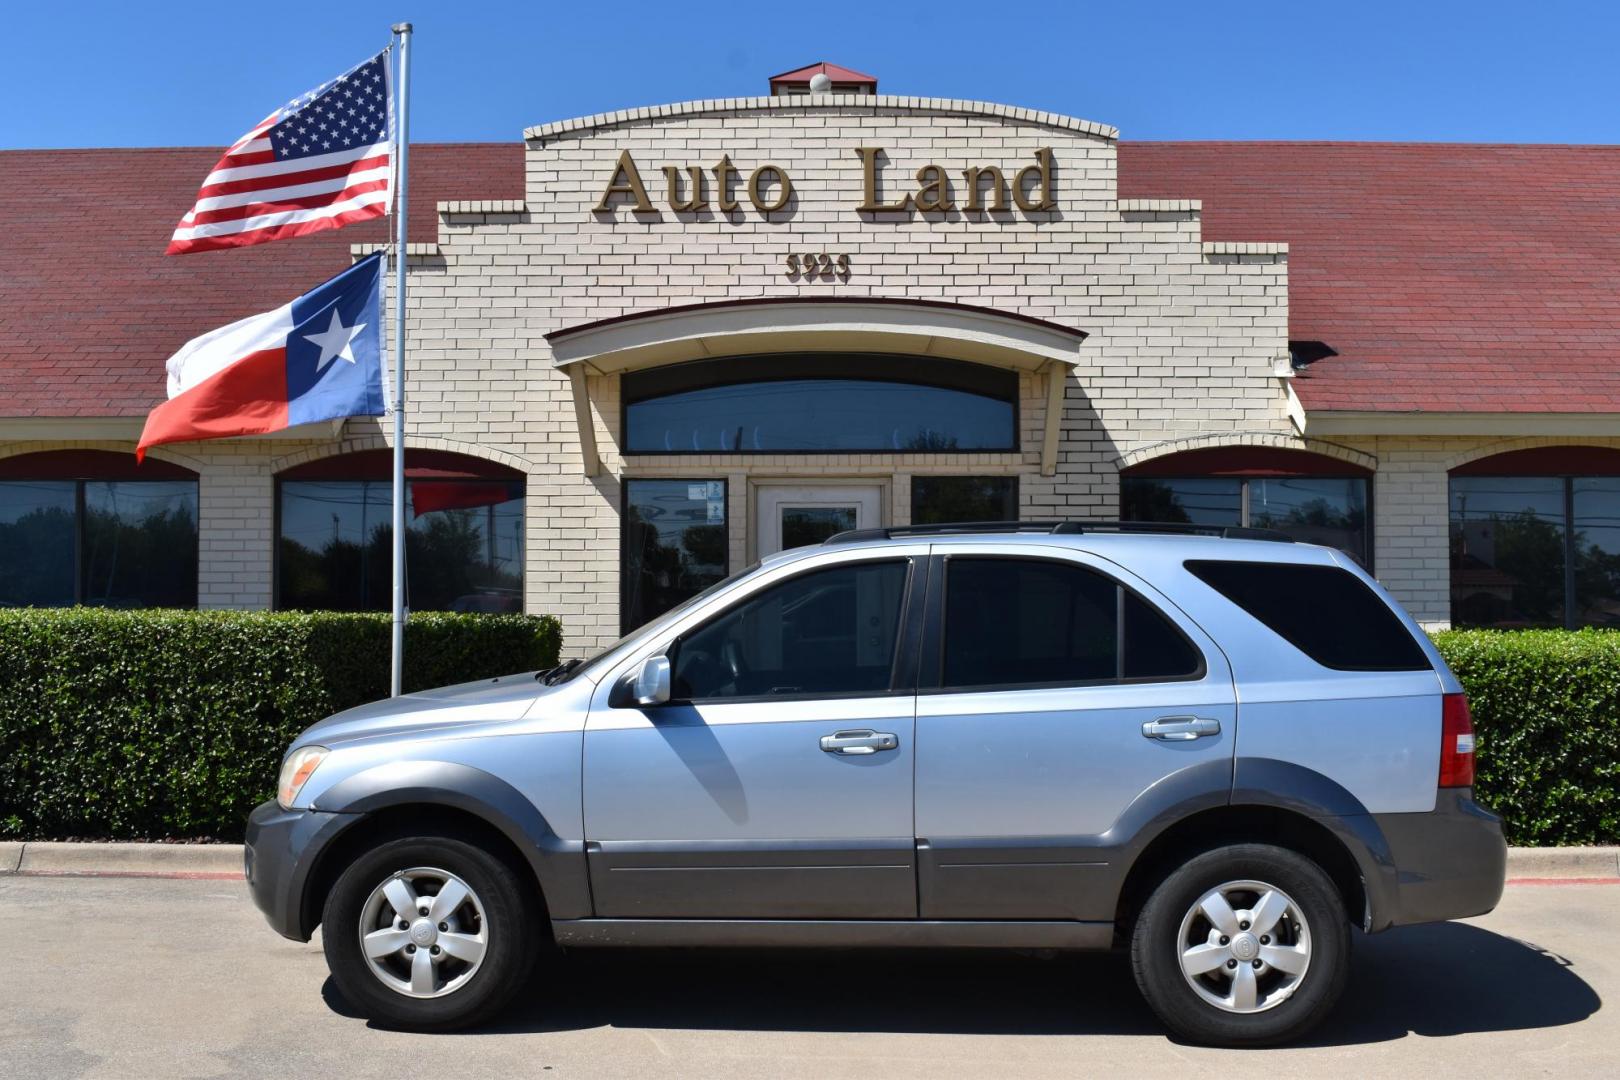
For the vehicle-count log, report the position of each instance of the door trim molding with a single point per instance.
(884, 484)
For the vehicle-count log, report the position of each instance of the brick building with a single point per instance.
(650, 346)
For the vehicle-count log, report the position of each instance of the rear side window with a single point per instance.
(1325, 612)
(1035, 622)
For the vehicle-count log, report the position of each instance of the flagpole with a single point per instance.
(402, 91)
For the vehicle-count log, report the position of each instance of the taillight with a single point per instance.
(1456, 742)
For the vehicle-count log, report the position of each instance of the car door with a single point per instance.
(777, 782)
(1063, 704)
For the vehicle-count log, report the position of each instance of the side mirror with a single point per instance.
(651, 685)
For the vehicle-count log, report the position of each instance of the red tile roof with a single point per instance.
(90, 307)
(1443, 277)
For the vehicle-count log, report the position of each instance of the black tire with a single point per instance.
(512, 918)
(1156, 948)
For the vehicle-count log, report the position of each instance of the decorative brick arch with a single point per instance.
(1507, 446)
(416, 442)
(1266, 439)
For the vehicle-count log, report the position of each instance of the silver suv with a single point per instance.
(1217, 752)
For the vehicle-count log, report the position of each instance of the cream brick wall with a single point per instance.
(1182, 335)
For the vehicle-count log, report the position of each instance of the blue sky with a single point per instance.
(105, 74)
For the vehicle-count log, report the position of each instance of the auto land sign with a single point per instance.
(768, 188)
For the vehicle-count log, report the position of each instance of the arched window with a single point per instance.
(334, 533)
(1535, 538)
(820, 403)
(1311, 497)
(92, 527)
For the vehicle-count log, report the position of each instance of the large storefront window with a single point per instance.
(942, 500)
(1534, 542)
(820, 404)
(1291, 491)
(675, 544)
(93, 528)
(463, 548)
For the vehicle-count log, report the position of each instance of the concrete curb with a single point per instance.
(225, 861)
(122, 860)
(1564, 862)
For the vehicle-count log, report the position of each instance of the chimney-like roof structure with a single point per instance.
(844, 80)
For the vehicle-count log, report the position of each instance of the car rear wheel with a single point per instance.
(1242, 946)
(430, 933)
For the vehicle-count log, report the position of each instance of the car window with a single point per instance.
(1033, 622)
(822, 633)
(1325, 612)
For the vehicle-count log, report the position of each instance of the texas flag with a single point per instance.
(316, 358)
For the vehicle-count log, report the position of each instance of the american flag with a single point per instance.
(322, 161)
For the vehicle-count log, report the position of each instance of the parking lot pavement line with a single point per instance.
(1563, 881)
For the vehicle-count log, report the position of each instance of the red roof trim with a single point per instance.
(419, 465)
(1546, 461)
(1256, 461)
(89, 465)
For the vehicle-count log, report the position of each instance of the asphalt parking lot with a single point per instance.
(137, 977)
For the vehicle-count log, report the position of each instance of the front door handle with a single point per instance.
(864, 741)
(1180, 728)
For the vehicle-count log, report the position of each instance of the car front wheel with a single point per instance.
(1242, 946)
(430, 933)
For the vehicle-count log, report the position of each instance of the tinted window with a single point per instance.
(822, 402)
(1535, 551)
(38, 526)
(674, 544)
(1152, 647)
(126, 544)
(1020, 622)
(826, 632)
(819, 415)
(1314, 509)
(463, 545)
(950, 499)
(140, 543)
(1325, 612)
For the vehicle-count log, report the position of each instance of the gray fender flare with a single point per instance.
(1288, 786)
(558, 864)
(1253, 782)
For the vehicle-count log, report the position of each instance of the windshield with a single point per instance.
(645, 630)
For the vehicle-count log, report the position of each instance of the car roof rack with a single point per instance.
(1060, 528)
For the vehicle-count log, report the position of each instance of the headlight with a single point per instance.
(298, 767)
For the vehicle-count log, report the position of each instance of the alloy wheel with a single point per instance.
(423, 932)
(1245, 946)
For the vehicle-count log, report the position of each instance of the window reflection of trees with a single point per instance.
(1513, 541)
(135, 546)
(457, 559)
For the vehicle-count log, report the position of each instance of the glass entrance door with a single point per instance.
(789, 516)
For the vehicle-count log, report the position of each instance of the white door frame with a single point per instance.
(768, 498)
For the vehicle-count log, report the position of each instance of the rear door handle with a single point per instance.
(864, 741)
(1180, 728)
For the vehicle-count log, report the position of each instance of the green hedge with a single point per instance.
(1546, 706)
(150, 724)
(146, 724)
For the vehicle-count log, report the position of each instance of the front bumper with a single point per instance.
(1447, 864)
(278, 853)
